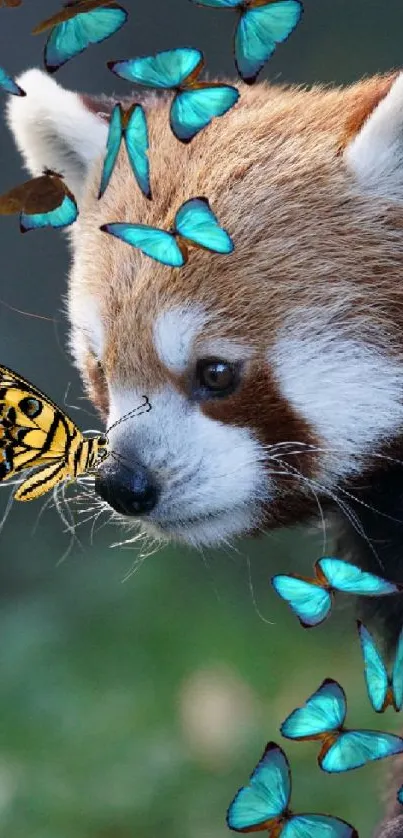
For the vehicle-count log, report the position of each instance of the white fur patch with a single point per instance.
(206, 470)
(54, 129)
(350, 394)
(375, 156)
(87, 331)
(175, 331)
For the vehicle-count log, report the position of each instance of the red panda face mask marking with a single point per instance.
(199, 470)
(304, 322)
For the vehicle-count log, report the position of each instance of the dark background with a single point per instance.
(138, 706)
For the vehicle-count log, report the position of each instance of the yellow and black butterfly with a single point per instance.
(36, 433)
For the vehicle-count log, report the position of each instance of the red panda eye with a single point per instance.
(215, 378)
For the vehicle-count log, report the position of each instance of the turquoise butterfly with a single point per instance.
(8, 84)
(322, 717)
(195, 225)
(130, 125)
(263, 24)
(263, 805)
(44, 201)
(311, 599)
(383, 690)
(79, 24)
(195, 103)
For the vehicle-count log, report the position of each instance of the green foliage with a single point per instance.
(139, 707)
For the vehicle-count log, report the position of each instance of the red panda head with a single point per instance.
(275, 374)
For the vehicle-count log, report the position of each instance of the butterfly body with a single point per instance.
(44, 201)
(35, 433)
(384, 689)
(263, 805)
(195, 103)
(131, 126)
(195, 225)
(262, 24)
(322, 718)
(311, 599)
(79, 24)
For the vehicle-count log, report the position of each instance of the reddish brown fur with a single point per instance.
(273, 175)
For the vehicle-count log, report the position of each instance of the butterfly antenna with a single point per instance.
(144, 407)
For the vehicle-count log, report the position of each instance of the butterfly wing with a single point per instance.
(136, 137)
(346, 577)
(166, 70)
(44, 201)
(267, 795)
(62, 216)
(397, 674)
(33, 430)
(113, 142)
(196, 222)
(70, 9)
(155, 243)
(354, 748)
(323, 712)
(400, 795)
(192, 110)
(42, 481)
(73, 36)
(309, 601)
(218, 4)
(259, 31)
(8, 84)
(317, 826)
(376, 676)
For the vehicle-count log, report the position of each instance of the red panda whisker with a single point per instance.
(94, 522)
(47, 503)
(70, 525)
(369, 506)
(349, 514)
(107, 521)
(340, 488)
(88, 509)
(320, 450)
(60, 504)
(253, 595)
(136, 566)
(7, 510)
(87, 519)
(297, 474)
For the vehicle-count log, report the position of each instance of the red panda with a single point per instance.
(275, 374)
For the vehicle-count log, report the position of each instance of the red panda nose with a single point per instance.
(128, 489)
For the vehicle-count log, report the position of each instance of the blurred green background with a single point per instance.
(135, 704)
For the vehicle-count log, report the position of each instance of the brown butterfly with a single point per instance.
(11, 4)
(44, 201)
(76, 26)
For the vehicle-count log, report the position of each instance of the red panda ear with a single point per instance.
(57, 128)
(374, 153)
